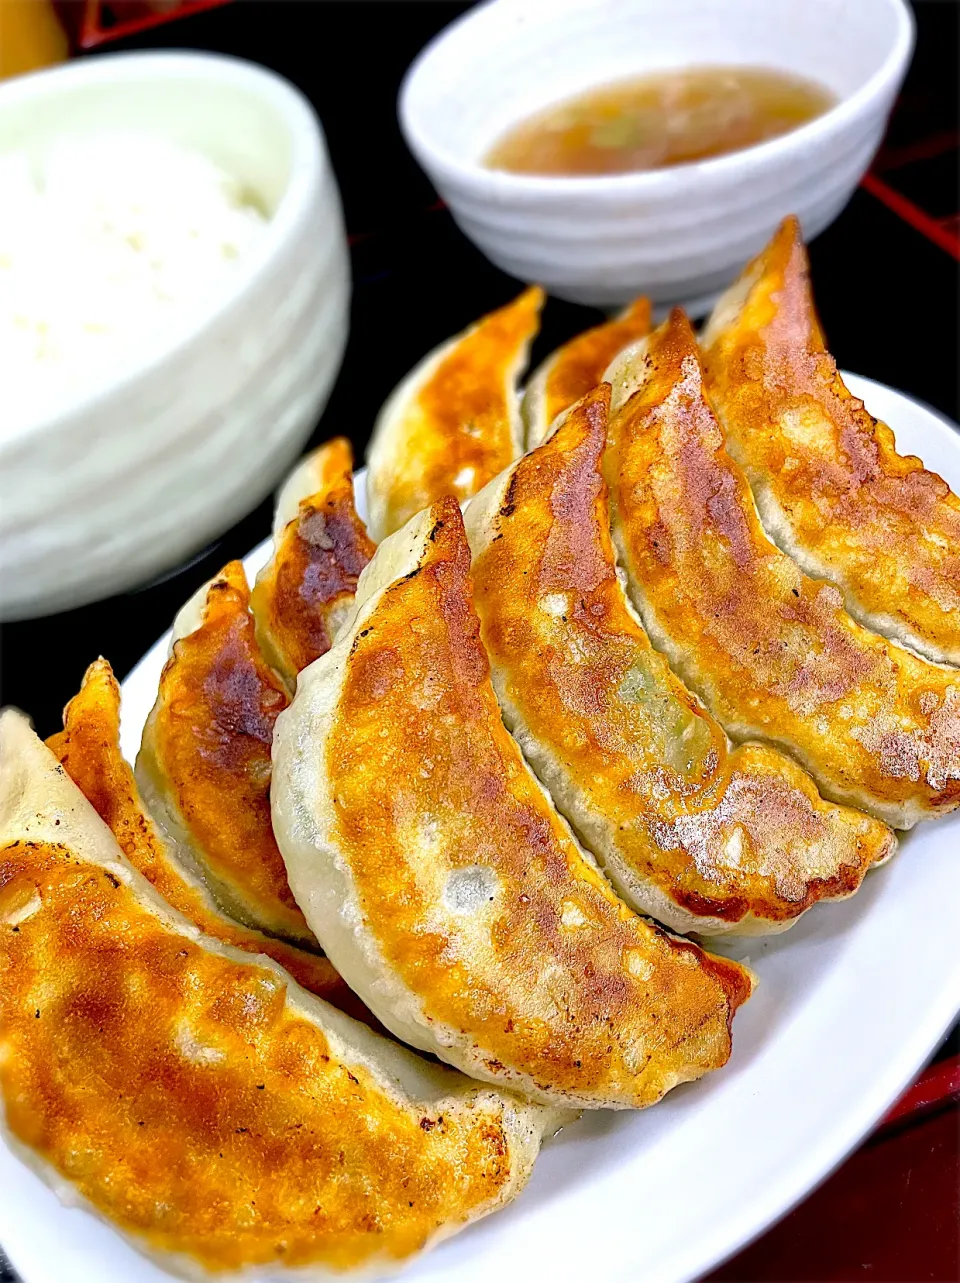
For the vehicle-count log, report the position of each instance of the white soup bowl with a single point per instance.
(678, 234)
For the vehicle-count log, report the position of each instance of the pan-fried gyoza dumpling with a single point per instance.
(454, 422)
(772, 653)
(442, 883)
(320, 545)
(577, 367)
(830, 487)
(204, 761)
(217, 1115)
(701, 836)
(89, 749)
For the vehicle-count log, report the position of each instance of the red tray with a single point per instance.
(99, 22)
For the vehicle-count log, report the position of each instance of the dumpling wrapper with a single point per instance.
(217, 1115)
(88, 747)
(772, 652)
(320, 545)
(204, 761)
(454, 422)
(439, 878)
(830, 487)
(577, 367)
(701, 836)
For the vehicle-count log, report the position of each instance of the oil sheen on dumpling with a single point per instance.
(320, 545)
(831, 489)
(439, 878)
(576, 368)
(89, 749)
(454, 422)
(772, 652)
(204, 761)
(699, 835)
(217, 1115)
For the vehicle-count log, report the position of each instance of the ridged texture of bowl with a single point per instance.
(139, 475)
(679, 234)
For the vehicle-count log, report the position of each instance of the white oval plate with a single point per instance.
(851, 1003)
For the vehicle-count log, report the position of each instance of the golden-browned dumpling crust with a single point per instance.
(830, 487)
(454, 422)
(220, 1117)
(320, 545)
(204, 762)
(442, 883)
(89, 749)
(772, 652)
(702, 837)
(577, 367)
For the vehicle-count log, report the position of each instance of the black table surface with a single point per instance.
(887, 295)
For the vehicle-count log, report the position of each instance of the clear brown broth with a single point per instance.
(650, 122)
